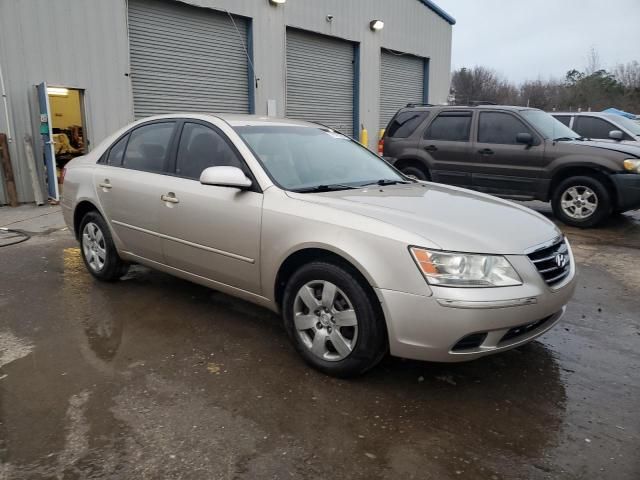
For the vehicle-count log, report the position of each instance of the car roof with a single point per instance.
(468, 107)
(235, 120)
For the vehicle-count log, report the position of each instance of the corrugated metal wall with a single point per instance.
(84, 44)
(401, 82)
(320, 80)
(185, 58)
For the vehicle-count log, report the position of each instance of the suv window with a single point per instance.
(450, 126)
(592, 127)
(405, 123)
(202, 147)
(501, 128)
(566, 119)
(117, 151)
(148, 147)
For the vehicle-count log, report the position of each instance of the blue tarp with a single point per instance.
(620, 112)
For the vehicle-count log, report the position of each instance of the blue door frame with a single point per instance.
(47, 142)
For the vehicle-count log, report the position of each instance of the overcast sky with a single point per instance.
(527, 39)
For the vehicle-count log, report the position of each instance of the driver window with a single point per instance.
(500, 128)
(202, 147)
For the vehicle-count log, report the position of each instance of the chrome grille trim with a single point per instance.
(544, 259)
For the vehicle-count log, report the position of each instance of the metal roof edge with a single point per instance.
(440, 12)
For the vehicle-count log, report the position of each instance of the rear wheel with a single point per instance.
(582, 201)
(333, 321)
(415, 172)
(98, 251)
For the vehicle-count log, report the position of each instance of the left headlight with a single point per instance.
(631, 165)
(452, 269)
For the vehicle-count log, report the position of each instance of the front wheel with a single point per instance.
(581, 201)
(415, 172)
(333, 321)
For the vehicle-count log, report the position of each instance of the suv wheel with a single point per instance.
(332, 321)
(98, 251)
(582, 201)
(415, 172)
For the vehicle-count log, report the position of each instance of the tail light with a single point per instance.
(62, 175)
(381, 146)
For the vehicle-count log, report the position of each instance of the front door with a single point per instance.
(47, 142)
(502, 165)
(446, 141)
(210, 231)
(130, 183)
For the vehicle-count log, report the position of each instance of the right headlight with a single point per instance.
(631, 165)
(453, 269)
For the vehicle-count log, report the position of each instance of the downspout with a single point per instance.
(6, 105)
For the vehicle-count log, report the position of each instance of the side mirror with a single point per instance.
(616, 135)
(525, 138)
(225, 177)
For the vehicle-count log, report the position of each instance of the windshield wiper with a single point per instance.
(566, 139)
(325, 188)
(383, 182)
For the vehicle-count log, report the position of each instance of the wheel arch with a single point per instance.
(590, 170)
(413, 162)
(83, 207)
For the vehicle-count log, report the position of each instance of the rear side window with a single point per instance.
(202, 147)
(566, 119)
(117, 152)
(148, 147)
(450, 126)
(405, 123)
(501, 128)
(592, 127)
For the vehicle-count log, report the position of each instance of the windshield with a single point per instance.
(631, 125)
(299, 158)
(548, 126)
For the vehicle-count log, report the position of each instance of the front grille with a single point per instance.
(516, 332)
(553, 263)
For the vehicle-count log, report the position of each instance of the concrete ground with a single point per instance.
(154, 377)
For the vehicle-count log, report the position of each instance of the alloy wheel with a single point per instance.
(325, 320)
(94, 247)
(579, 202)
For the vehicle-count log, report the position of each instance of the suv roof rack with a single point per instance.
(411, 105)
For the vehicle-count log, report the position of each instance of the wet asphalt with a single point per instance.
(153, 377)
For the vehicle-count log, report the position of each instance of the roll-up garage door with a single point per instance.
(185, 58)
(401, 82)
(320, 80)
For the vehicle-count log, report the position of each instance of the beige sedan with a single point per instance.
(359, 259)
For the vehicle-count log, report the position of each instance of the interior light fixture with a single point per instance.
(58, 91)
(277, 2)
(376, 25)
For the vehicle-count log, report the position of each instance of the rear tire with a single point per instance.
(582, 201)
(98, 250)
(333, 320)
(415, 172)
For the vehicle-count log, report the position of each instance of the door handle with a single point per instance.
(170, 198)
(431, 148)
(105, 184)
(485, 151)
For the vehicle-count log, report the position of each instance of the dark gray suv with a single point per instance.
(518, 153)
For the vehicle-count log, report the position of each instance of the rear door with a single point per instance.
(502, 165)
(446, 142)
(211, 231)
(130, 181)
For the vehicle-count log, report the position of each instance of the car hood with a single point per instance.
(450, 218)
(626, 147)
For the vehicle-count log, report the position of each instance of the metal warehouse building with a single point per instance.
(76, 70)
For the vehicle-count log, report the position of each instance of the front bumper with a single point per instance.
(433, 328)
(628, 190)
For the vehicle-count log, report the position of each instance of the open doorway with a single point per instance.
(62, 127)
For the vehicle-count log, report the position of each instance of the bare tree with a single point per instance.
(593, 61)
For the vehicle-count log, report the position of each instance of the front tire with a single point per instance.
(98, 250)
(333, 321)
(582, 201)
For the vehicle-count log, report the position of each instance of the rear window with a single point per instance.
(566, 119)
(450, 126)
(405, 123)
